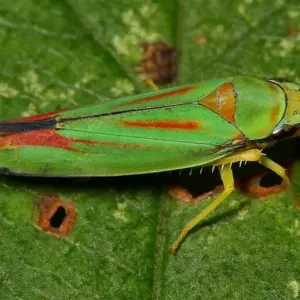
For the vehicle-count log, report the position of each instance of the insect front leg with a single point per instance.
(228, 181)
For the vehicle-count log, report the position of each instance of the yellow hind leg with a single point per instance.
(228, 182)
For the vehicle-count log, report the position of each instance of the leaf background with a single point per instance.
(58, 54)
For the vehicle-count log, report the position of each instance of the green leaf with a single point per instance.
(59, 54)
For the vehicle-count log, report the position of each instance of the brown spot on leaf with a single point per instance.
(55, 215)
(292, 31)
(158, 63)
(200, 39)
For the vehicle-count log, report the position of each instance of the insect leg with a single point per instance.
(279, 170)
(248, 155)
(228, 181)
(151, 83)
(227, 178)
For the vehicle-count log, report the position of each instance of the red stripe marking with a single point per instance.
(185, 125)
(181, 91)
(50, 138)
(39, 117)
(4, 133)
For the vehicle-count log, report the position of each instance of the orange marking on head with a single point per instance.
(275, 110)
(181, 91)
(274, 114)
(238, 137)
(222, 101)
(181, 125)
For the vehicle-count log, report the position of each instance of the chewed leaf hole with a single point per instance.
(264, 184)
(58, 217)
(183, 195)
(55, 215)
(269, 180)
(192, 190)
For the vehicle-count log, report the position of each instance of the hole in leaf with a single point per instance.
(192, 186)
(55, 215)
(263, 184)
(269, 180)
(58, 217)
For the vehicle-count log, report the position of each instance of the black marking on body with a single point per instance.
(21, 126)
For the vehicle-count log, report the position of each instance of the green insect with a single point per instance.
(213, 123)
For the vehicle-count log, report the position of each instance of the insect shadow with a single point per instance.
(207, 183)
(250, 178)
